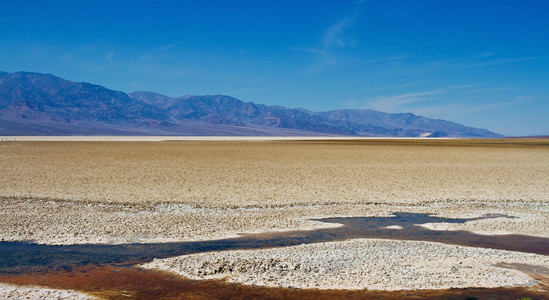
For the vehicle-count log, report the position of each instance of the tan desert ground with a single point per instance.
(141, 191)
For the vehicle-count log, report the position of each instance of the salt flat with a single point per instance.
(359, 264)
(101, 191)
(17, 292)
(87, 138)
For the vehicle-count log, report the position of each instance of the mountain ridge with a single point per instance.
(44, 104)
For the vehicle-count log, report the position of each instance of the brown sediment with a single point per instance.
(122, 282)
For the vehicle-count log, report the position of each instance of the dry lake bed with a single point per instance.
(274, 218)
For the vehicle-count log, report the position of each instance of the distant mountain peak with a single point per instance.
(44, 104)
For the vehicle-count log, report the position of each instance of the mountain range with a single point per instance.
(44, 104)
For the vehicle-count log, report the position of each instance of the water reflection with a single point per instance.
(25, 257)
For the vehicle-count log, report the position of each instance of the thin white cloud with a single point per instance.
(398, 86)
(334, 35)
(523, 99)
(398, 103)
(465, 62)
(92, 58)
(464, 86)
(329, 51)
(430, 104)
(456, 109)
(170, 46)
(484, 55)
(422, 102)
(486, 90)
(334, 40)
(382, 60)
(501, 61)
(325, 54)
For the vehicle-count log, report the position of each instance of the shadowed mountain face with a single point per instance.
(47, 98)
(43, 104)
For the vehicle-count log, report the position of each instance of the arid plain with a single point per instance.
(117, 192)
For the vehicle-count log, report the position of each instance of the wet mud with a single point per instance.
(107, 270)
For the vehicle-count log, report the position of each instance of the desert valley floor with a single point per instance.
(274, 218)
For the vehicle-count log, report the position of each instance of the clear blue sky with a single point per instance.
(480, 63)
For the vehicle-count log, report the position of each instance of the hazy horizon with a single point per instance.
(478, 63)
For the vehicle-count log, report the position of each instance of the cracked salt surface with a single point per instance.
(359, 264)
(8, 291)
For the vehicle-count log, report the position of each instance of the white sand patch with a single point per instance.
(359, 264)
(452, 227)
(8, 291)
(188, 138)
(394, 227)
(521, 218)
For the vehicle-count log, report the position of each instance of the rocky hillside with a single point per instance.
(43, 104)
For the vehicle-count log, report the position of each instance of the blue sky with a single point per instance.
(480, 63)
